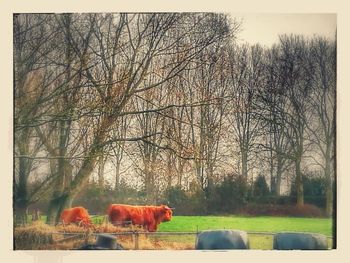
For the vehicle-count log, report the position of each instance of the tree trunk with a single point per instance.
(21, 195)
(180, 173)
(21, 213)
(149, 188)
(244, 156)
(56, 206)
(101, 168)
(149, 182)
(117, 176)
(278, 177)
(329, 192)
(299, 183)
(58, 202)
(200, 176)
(170, 168)
(272, 170)
(64, 199)
(329, 200)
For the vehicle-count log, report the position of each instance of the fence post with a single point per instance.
(136, 240)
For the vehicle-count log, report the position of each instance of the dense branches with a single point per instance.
(166, 99)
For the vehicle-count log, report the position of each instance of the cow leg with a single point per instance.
(152, 227)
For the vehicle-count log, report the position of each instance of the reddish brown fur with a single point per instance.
(147, 216)
(76, 215)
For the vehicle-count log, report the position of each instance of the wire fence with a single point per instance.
(136, 239)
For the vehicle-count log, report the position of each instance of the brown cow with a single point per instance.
(147, 216)
(77, 215)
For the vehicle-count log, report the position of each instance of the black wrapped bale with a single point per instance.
(106, 241)
(103, 242)
(300, 241)
(222, 239)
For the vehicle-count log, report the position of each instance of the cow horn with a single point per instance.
(172, 208)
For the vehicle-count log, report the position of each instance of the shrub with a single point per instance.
(96, 198)
(314, 190)
(191, 202)
(260, 188)
(197, 203)
(228, 195)
(176, 197)
(306, 210)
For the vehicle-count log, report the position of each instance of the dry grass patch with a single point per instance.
(33, 236)
(103, 228)
(40, 236)
(146, 243)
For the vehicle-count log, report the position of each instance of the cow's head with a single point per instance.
(165, 213)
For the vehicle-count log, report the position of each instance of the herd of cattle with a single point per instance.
(149, 217)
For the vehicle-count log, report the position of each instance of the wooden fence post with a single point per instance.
(136, 240)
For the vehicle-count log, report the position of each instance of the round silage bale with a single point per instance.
(222, 239)
(301, 241)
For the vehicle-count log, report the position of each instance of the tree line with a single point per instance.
(167, 100)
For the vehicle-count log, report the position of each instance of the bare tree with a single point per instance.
(119, 147)
(55, 129)
(177, 129)
(32, 80)
(295, 83)
(322, 62)
(152, 126)
(117, 55)
(246, 73)
(212, 88)
(272, 101)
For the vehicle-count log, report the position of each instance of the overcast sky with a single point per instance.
(265, 28)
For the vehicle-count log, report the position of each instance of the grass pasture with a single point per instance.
(249, 224)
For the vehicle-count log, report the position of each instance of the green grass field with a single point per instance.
(249, 224)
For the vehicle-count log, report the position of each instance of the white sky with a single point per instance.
(265, 28)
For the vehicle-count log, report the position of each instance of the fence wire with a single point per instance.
(136, 239)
